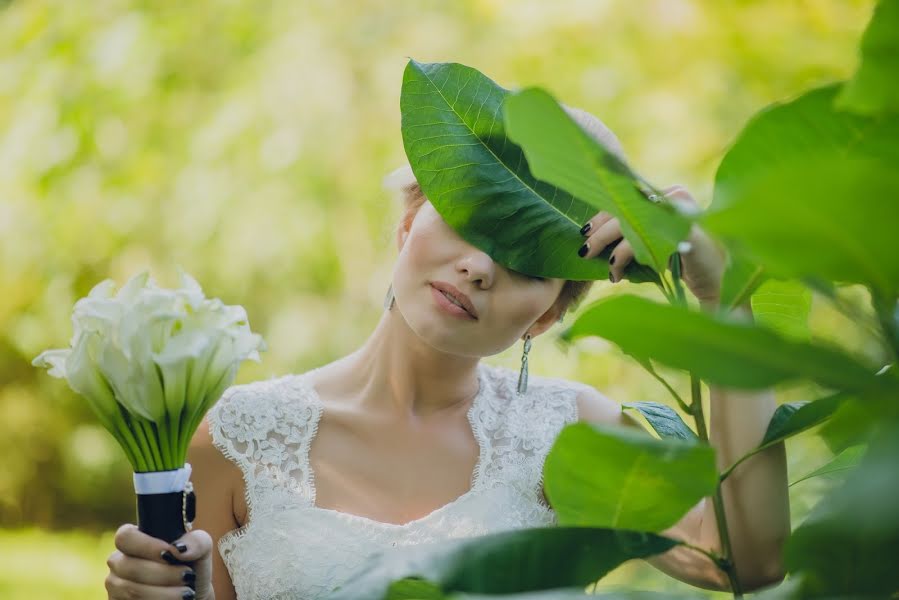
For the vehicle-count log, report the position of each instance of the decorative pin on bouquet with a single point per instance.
(150, 362)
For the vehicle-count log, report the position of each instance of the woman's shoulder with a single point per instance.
(580, 401)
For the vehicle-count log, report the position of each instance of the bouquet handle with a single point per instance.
(166, 503)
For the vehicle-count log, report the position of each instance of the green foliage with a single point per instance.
(664, 420)
(502, 563)
(561, 152)
(479, 181)
(723, 351)
(650, 484)
(874, 89)
(804, 190)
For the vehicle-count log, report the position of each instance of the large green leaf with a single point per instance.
(603, 476)
(479, 182)
(875, 87)
(664, 420)
(502, 563)
(809, 192)
(560, 152)
(723, 351)
(849, 544)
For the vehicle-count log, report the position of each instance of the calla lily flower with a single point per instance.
(151, 361)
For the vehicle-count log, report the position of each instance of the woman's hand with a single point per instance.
(703, 263)
(147, 567)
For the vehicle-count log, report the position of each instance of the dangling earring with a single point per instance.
(523, 375)
(389, 299)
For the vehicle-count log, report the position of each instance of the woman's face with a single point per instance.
(507, 303)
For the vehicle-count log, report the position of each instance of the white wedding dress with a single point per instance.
(292, 549)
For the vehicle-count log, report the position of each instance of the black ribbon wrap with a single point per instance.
(166, 516)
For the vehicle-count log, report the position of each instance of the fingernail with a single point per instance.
(188, 576)
(189, 595)
(611, 277)
(586, 228)
(182, 548)
(169, 557)
(583, 251)
(612, 260)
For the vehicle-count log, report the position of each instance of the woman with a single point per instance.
(416, 440)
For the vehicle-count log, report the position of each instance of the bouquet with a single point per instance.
(150, 362)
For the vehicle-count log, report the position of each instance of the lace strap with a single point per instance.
(265, 428)
(521, 430)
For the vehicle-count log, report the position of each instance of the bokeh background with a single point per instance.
(247, 141)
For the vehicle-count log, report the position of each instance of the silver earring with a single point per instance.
(523, 375)
(389, 299)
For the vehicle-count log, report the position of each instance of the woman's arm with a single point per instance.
(215, 479)
(755, 494)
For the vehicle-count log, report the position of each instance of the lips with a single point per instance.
(457, 295)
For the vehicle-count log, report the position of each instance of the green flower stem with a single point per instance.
(152, 443)
(137, 434)
(174, 427)
(165, 444)
(129, 444)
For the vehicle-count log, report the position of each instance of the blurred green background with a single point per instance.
(247, 141)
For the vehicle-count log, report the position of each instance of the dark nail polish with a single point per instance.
(182, 548)
(188, 577)
(189, 595)
(586, 228)
(612, 260)
(169, 557)
(583, 251)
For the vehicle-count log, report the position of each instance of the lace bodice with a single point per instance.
(290, 548)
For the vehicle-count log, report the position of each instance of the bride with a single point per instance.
(411, 438)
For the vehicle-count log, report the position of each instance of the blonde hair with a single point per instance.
(402, 183)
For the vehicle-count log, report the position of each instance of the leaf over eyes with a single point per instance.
(480, 183)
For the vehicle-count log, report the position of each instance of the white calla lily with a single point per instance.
(151, 361)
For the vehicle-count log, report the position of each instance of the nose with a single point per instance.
(477, 267)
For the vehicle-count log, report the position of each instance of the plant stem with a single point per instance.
(162, 432)
(138, 435)
(130, 444)
(726, 564)
(152, 444)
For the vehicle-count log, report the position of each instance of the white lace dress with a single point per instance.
(290, 548)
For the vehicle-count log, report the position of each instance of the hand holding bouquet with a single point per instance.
(151, 362)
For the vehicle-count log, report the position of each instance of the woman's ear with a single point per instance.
(546, 320)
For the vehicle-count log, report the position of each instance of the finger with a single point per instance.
(607, 233)
(122, 589)
(618, 261)
(595, 222)
(196, 547)
(133, 542)
(150, 572)
(682, 199)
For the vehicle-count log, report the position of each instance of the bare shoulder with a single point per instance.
(218, 484)
(596, 407)
(209, 463)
